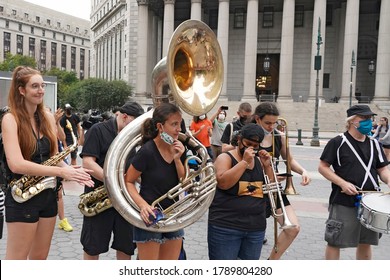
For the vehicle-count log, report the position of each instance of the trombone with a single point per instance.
(282, 131)
(274, 191)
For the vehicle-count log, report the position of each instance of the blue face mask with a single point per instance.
(365, 127)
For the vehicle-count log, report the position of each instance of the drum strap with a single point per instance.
(366, 167)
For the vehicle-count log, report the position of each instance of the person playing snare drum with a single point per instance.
(356, 162)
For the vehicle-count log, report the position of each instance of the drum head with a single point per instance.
(378, 201)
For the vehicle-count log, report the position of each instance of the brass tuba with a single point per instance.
(191, 75)
(281, 126)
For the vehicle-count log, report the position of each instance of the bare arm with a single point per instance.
(90, 163)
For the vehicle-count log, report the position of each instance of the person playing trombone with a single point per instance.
(266, 115)
(237, 222)
(356, 162)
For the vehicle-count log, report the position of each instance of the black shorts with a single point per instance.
(43, 205)
(278, 206)
(97, 230)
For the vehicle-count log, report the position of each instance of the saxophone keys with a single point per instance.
(39, 186)
(33, 190)
(18, 192)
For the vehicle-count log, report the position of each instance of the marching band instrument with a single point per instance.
(374, 212)
(191, 75)
(28, 186)
(94, 202)
(274, 191)
(282, 127)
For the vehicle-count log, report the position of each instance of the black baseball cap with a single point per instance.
(252, 132)
(361, 110)
(132, 108)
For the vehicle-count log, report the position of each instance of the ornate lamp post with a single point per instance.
(353, 64)
(317, 66)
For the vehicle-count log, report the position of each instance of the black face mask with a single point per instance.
(243, 149)
(68, 111)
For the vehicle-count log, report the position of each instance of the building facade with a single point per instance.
(54, 39)
(350, 39)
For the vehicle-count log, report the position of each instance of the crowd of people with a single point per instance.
(246, 153)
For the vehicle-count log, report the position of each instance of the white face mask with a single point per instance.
(221, 117)
(202, 117)
(266, 132)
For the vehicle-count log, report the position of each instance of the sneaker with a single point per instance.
(64, 224)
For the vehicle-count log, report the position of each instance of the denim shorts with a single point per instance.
(143, 236)
(344, 230)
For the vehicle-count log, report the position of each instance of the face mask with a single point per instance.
(167, 138)
(266, 132)
(202, 117)
(365, 127)
(221, 117)
(244, 120)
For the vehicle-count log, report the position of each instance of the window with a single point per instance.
(38, 19)
(7, 43)
(42, 60)
(48, 21)
(53, 55)
(63, 57)
(31, 47)
(58, 24)
(20, 27)
(74, 40)
(77, 29)
(1, 9)
(19, 44)
(329, 15)
(54, 35)
(32, 29)
(7, 24)
(239, 18)
(64, 37)
(268, 17)
(68, 27)
(43, 32)
(26, 15)
(299, 16)
(82, 63)
(326, 80)
(73, 59)
(14, 12)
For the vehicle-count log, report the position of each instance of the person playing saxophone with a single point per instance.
(97, 230)
(29, 137)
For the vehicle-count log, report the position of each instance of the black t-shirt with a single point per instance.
(158, 176)
(346, 165)
(97, 142)
(237, 211)
(278, 145)
(237, 125)
(74, 120)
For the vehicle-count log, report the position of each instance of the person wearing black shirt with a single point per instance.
(352, 162)
(159, 163)
(97, 230)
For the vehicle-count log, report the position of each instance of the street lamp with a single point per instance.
(371, 67)
(317, 66)
(353, 64)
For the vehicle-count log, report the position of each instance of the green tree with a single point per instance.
(98, 94)
(65, 80)
(12, 61)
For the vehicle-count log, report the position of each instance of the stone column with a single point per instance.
(350, 44)
(142, 46)
(251, 49)
(382, 73)
(223, 38)
(286, 50)
(169, 23)
(319, 12)
(196, 9)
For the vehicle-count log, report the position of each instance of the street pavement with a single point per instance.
(310, 206)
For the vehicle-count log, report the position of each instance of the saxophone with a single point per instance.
(28, 186)
(94, 202)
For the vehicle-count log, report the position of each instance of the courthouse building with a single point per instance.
(352, 38)
(54, 39)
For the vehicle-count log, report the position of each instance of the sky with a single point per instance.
(77, 8)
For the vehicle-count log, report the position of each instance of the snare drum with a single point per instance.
(374, 212)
